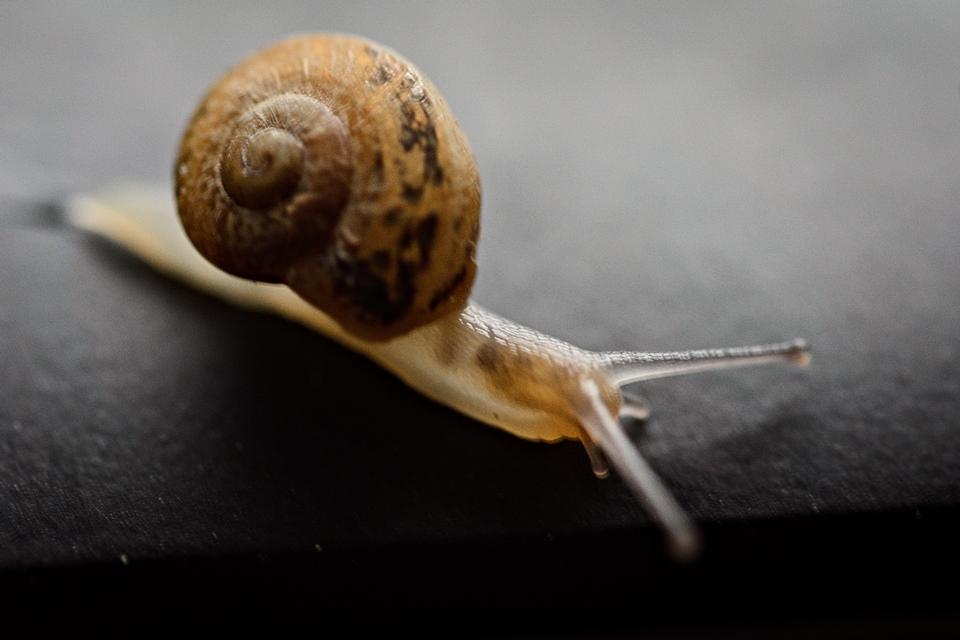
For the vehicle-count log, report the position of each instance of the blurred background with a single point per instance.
(655, 176)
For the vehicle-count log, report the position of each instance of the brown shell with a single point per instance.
(333, 165)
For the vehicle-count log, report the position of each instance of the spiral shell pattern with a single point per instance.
(331, 164)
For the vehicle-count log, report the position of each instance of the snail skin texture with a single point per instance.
(324, 179)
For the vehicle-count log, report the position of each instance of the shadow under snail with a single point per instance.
(328, 173)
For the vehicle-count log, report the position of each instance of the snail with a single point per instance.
(326, 180)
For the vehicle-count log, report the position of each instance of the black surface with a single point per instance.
(729, 176)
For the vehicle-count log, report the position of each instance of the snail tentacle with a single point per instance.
(603, 428)
(626, 367)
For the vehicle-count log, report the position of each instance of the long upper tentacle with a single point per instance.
(624, 367)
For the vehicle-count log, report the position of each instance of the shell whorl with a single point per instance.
(274, 144)
(286, 169)
(262, 168)
(330, 163)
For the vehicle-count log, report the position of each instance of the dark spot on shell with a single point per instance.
(406, 239)
(372, 294)
(406, 291)
(378, 167)
(426, 233)
(373, 52)
(392, 217)
(445, 292)
(431, 166)
(411, 193)
(381, 259)
(407, 110)
(408, 138)
(419, 133)
(382, 75)
(458, 224)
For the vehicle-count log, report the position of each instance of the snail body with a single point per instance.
(325, 180)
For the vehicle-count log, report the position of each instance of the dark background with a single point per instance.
(656, 176)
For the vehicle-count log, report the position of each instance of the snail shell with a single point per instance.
(332, 164)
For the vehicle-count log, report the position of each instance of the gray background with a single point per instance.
(656, 176)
